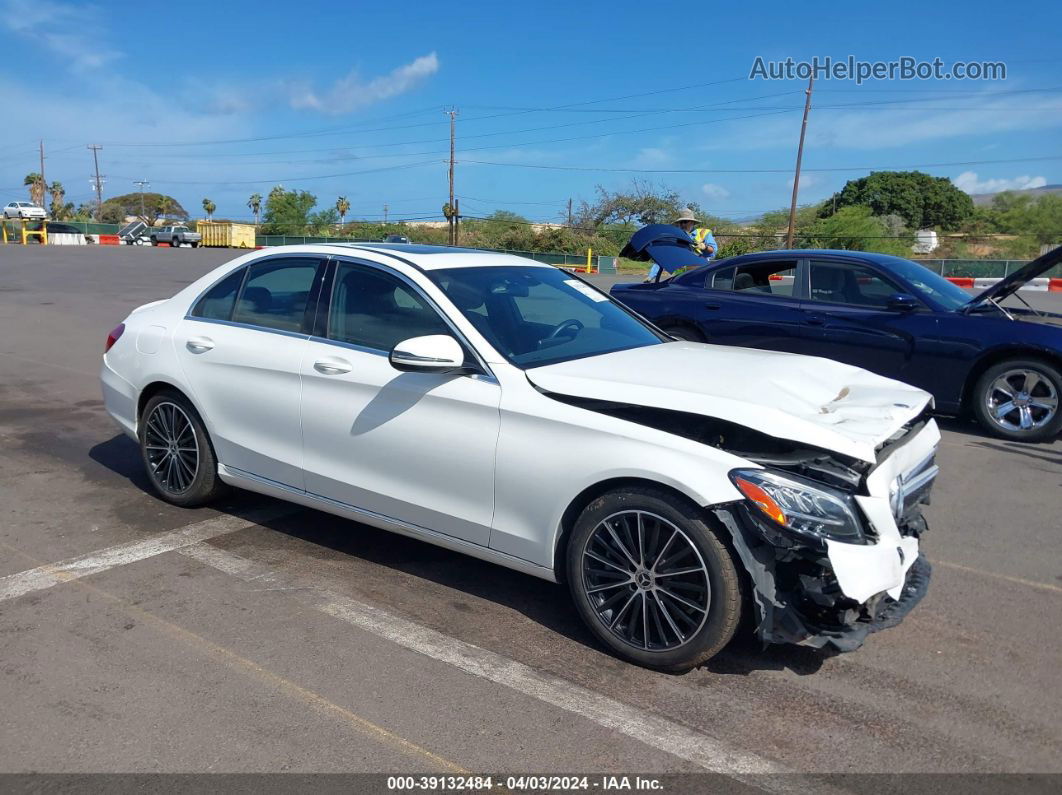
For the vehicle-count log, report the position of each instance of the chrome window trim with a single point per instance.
(283, 332)
(340, 259)
(245, 267)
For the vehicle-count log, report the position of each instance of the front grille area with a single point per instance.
(912, 489)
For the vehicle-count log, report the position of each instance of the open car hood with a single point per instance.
(1011, 283)
(668, 246)
(804, 399)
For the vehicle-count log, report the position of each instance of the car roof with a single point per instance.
(421, 256)
(805, 253)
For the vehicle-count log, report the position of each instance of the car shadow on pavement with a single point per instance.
(543, 602)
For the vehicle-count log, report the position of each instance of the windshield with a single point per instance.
(535, 316)
(930, 284)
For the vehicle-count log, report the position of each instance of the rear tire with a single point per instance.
(671, 600)
(154, 241)
(1019, 400)
(177, 452)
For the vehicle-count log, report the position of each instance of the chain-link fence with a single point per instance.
(977, 268)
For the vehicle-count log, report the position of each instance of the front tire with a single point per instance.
(177, 452)
(1019, 400)
(652, 580)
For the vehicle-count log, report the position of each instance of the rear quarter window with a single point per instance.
(220, 300)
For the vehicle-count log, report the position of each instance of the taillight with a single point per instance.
(113, 336)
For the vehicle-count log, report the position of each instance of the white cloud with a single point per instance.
(713, 191)
(74, 32)
(968, 181)
(650, 156)
(351, 92)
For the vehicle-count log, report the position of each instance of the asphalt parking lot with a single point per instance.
(260, 637)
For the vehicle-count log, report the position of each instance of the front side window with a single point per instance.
(376, 310)
(220, 300)
(540, 315)
(848, 283)
(276, 293)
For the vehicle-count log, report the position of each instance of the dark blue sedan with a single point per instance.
(889, 315)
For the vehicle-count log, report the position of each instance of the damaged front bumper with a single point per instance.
(818, 593)
(798, 596)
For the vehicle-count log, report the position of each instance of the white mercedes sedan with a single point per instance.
(510, 410)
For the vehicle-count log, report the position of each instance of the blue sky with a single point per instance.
(221, 100)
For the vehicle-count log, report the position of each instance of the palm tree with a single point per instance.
(58, 192)
(342, 206)
(209, 207)
(255, 205)
(36, 188)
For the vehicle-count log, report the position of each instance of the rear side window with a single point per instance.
(723, 279)
(773, 278)
(219, 302)
(276, 293)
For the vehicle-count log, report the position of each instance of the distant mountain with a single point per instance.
(986, 198)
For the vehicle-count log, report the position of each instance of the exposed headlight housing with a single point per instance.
(809, 509)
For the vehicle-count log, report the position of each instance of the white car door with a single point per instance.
(240, 349)
(416, 447)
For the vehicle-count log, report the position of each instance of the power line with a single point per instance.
(358, 128)
(291, 179)
(761, 170)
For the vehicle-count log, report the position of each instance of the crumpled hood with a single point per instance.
(802, 398)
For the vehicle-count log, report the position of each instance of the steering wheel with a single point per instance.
(566, 324)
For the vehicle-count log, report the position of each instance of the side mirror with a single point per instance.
(437, 353)
(902, 302)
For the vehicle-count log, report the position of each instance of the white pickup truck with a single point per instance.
(175, 236)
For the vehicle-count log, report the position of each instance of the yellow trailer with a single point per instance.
(226, 234)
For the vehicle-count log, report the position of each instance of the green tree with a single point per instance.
(342, 207)
(35, 183)
(642, 203)
(287, 212)
(58, 193)
(855, 229)
(156, 206)
(255, 205)
(923, 201)
(208, 208)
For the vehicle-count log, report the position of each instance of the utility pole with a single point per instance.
(99, 184)
(452, 113)
(800, 155)
(44, 182)
(569, 211)
(457, 220)
(142, 183)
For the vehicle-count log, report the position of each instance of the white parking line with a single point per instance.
(652, 730)
(42, 577)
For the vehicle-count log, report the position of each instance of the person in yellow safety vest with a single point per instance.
(703, 239)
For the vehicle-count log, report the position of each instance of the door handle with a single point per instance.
(815, 320)
(711, 306)
(332, 366)
(199, 344)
